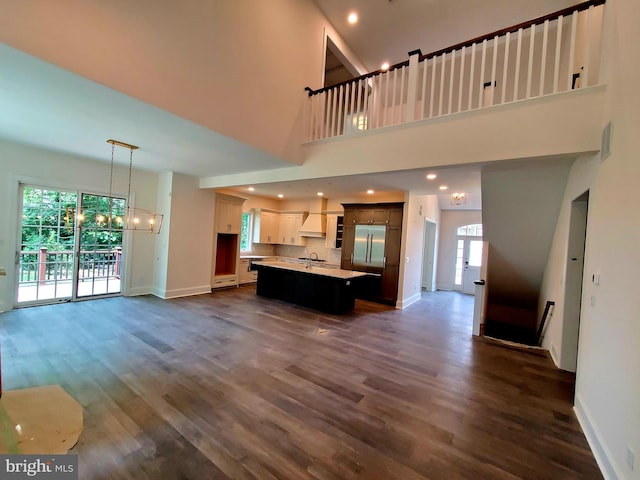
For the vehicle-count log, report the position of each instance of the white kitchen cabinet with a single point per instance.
(266, 226)
(228, 214)
(245, 274)
(289, 233)
(226, 246)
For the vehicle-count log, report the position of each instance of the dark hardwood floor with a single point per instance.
(231, 385)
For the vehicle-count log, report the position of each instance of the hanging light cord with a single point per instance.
(130, 169)
(113, 146)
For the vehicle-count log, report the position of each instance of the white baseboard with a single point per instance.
(183, 292)
(409, 301)
(552, 352)
(5, 307)
(137, 291)
(606, 462)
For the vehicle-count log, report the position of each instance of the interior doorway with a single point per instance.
(428, 256)
(574, 281)
(337, 68)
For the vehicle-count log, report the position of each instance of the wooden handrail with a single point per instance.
(355, 79)
(514, 28)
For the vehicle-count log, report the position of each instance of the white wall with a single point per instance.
(20, 163)
(165, 181)
(608, 374)
(418, 208)
(450, 220)
(190, 239)
(525, 129)
(199, 60)
(581, 178)
(521, 202)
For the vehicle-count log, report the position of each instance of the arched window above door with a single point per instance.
(474, 230)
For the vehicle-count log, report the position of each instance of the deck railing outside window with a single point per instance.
(549, 55)
(42, 266)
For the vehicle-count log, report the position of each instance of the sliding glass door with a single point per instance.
(47, 244)
(100, 245)
(70, 246)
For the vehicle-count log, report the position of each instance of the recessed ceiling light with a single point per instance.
(432, 176)
(384, 66)
(280, 195)
(251, 189)
(320, 194)
(352, 18)
(443, 187)
(370, 192)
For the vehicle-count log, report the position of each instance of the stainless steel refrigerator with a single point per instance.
(368, 248)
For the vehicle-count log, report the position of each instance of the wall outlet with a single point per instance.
(631, 458)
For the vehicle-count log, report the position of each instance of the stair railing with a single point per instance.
(552, 54)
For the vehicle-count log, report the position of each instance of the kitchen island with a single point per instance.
(324, 288)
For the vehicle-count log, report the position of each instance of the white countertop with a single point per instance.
(315, 269)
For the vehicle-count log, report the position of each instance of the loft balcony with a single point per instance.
(554, 55)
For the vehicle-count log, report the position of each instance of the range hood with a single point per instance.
(316, 223)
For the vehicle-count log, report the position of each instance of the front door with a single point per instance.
(472, 264)
(468, 258)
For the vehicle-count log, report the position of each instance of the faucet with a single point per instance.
(311, 258)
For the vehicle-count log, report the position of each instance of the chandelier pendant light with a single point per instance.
(458, 198)
(135, 219)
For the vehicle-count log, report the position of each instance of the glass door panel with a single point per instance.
(47, 239)
(100, 246)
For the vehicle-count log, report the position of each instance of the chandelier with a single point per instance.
(135, 219)
(458, 198)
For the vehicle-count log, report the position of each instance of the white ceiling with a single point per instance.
(458, 179)
(388, 29)
(51, 108)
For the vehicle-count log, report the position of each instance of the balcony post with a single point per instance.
(118, 260)
(42, 265)
(412, 87)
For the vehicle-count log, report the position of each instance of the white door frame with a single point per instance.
(574, 279)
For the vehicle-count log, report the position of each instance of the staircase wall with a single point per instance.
(520, 206)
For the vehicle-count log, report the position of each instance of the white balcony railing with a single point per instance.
(549, 55)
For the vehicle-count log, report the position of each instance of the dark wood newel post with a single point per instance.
(42, 265)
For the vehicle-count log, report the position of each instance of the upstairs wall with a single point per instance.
(237, 67)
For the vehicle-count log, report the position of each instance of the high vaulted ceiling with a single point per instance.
(50, 107)
(388, 29)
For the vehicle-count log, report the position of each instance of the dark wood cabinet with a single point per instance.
(339, 231)
(390, 274)
(383, 289)
(348, 237)
(394, 217)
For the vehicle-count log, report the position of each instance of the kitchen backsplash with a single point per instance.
(317, 245)
(263, 249)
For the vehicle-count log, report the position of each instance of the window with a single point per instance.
(471, 230)
(245, 233)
